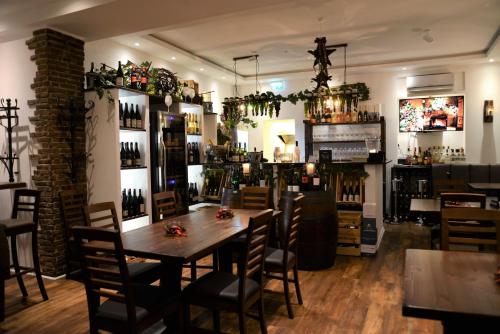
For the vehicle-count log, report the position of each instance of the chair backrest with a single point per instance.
(72, 203)
(254, 253)
(101, 215)
(449, 200)
(448, 186)
(256, 198)
(470, 226)
(292, 223)
(231, 198)
(26, 200)
(164, 205)
(104, 268)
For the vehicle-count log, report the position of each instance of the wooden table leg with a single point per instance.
(171, 283)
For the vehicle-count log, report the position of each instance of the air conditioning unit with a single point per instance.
(430, 82)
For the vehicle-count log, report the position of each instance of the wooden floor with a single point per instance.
(357, 295)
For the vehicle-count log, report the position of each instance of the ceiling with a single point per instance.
(383, 33)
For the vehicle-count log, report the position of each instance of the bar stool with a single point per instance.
(16, 226)
(395, 187)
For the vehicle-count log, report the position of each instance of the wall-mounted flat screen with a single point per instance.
(444, 113)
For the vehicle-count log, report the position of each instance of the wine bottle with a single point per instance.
(135, 204)
(316, 181)
(128, 155)
(138, 118)
(240, 157)
(262, 178)
(133, 77)
(123, 157)
(124, 204)
(130, 207)
(235, 182)
(345, 197)
(144, 78)
(119, 75)
(290, 182)
(351, 192)
(140, 200)
(356, 193)
(137, 155)
(245, 154)
(132, 155)
(296, 152)
(190, 153)
(126, 116)
(120, 113)
(133, 120)
(304, 181)
(196, 197)
(190, 194)
(196, 125)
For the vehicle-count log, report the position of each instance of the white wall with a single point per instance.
(18, 72)
(109, 52)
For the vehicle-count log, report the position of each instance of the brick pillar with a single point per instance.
(59, 80)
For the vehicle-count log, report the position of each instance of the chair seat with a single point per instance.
(14, 225)
(145, 272)
(274, 258)
(148, 298)
(219, 286)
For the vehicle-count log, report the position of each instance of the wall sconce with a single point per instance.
(246, 168)
(488, 111)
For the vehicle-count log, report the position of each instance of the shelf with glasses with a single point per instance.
(194, 134)
(338, 141)
(132, 167)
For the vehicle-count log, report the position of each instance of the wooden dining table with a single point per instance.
(457, 288)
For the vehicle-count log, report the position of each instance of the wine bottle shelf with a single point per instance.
(133, 167)
(135, 217)
(360, 123)
(122, 128)
(195, 164)
(194, 134)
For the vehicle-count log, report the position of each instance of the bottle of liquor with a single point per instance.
(304, 180)
(137, 155)
(128, 154)
(316, 182)
(124, 204)
(245, 154)
(132, 155)
(120, 113)
(190, 194)
(290, 181)
(323, 179)
(138, 118)
(197, 124)
(130, 206)
(196, 197)
(144, 78)
(235, 182)
(135, 204)
(262, 177)
(360, 116)
(140, 201)
(236, 156)
(126, 116)
(420, 157)
(351, 192)
(356, 192)
(197, 156)
(190, 153)
(133, 77)
(365, 116)
(296, 152)
(133, 121)
(296, 182)
(123, 155)
(345, 196)
(119, 75)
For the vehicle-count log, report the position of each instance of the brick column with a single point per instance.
(59, 80)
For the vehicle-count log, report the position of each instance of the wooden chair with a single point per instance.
(25, 200)
(448, 186)
(256, 198)
(128, 307)
(164, 206)
(470, 226)
(72, 202)
(4, 269)
(103, 215)
(284, 259)
(462, 199)
(223, 291)
(455, 199)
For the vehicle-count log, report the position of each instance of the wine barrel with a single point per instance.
(317, 239)
(231, 198)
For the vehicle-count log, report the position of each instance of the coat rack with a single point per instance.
(12, 121)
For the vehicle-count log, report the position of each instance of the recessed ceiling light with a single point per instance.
(491, 60)
(404, 68)
(137, 44)
(173, 58)
(202, 69)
